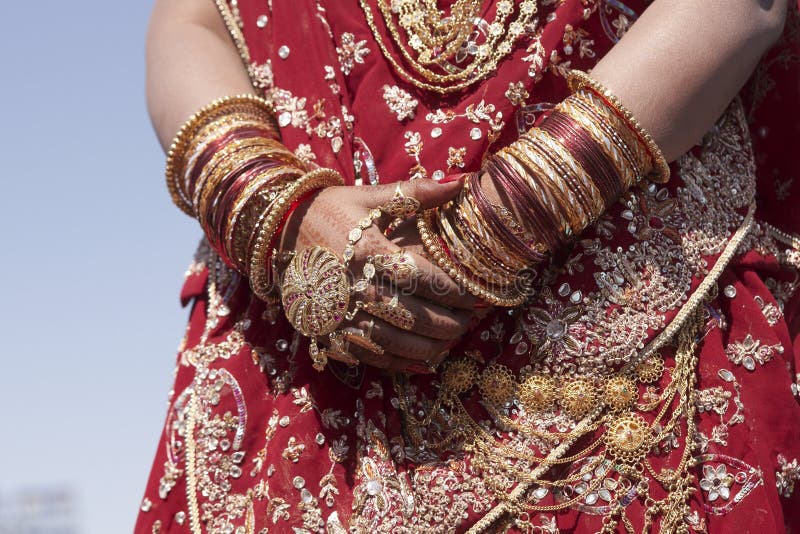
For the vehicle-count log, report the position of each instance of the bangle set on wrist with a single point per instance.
(228, 169)
(557, 179)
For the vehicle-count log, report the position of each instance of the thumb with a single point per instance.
(429, 193)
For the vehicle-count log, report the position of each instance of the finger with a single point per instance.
(429, 193)
(433, 284)
(430, 319)
(391, 362)
(428, 281)
(396, 341)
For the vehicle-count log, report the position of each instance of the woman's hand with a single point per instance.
(442, 310)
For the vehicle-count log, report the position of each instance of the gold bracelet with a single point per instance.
(579, 181)
(618, 142)
(660, 168)
(221, 165)
(248, 210)
(626, 158)
(472, 257)
(209, 134)
(546, 179)
(509, 261)
(558, 179)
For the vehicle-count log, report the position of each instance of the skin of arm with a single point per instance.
(191, 61)
(682, 62)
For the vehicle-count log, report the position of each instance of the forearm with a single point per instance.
(683, 61)
(190, 62)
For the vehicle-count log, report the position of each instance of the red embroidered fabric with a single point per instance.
(257, 441)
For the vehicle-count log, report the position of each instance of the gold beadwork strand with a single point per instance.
(487, 56)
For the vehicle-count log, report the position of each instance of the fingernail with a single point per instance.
(481, 305)
(419, 370)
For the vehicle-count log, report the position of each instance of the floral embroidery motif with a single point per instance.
(413, 147)
(400, 102)
(555, 331)
(749, 351)
(304, 153)
(771, 312)
(351, 52)
(787, 476)
(516, 93)
(717, 482)
(579, 37)
(261, 75)
(727, 481)
(455, 157)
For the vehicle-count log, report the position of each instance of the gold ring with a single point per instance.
(393, 313)
(398, 266)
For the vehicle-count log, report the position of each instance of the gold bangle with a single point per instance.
(212, 111)
(576, 207)
(581, 184)
(221, 165)
(477, 232)
(260, 281)
(200, 143)
(559, 199)
(476, 260)
(660, 168)
(508, 296)
(623, 151)
(248, 210)
(510, 260)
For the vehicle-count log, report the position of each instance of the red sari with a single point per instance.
(257, 441)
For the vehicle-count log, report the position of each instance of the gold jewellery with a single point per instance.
(437, 40)
(228, 169)
(318, 297)
(556, 180)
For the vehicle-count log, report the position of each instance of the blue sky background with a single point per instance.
(92, 262)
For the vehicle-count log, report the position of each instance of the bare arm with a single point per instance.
(683, 61)
(191, 61)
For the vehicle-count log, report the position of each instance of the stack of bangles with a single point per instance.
(228, 169)
(556, 180)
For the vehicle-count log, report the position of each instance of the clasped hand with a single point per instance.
(441, 310)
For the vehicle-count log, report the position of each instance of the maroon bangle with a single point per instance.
(631, 127)
(499, 171)
(588, 154)
(219, 212)
(528, 204)
(626, 151)
(218, 144)
(240, 175)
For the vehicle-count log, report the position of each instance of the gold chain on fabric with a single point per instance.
(413, 15)
(191, 466)
(673, 508)
(786, 238)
